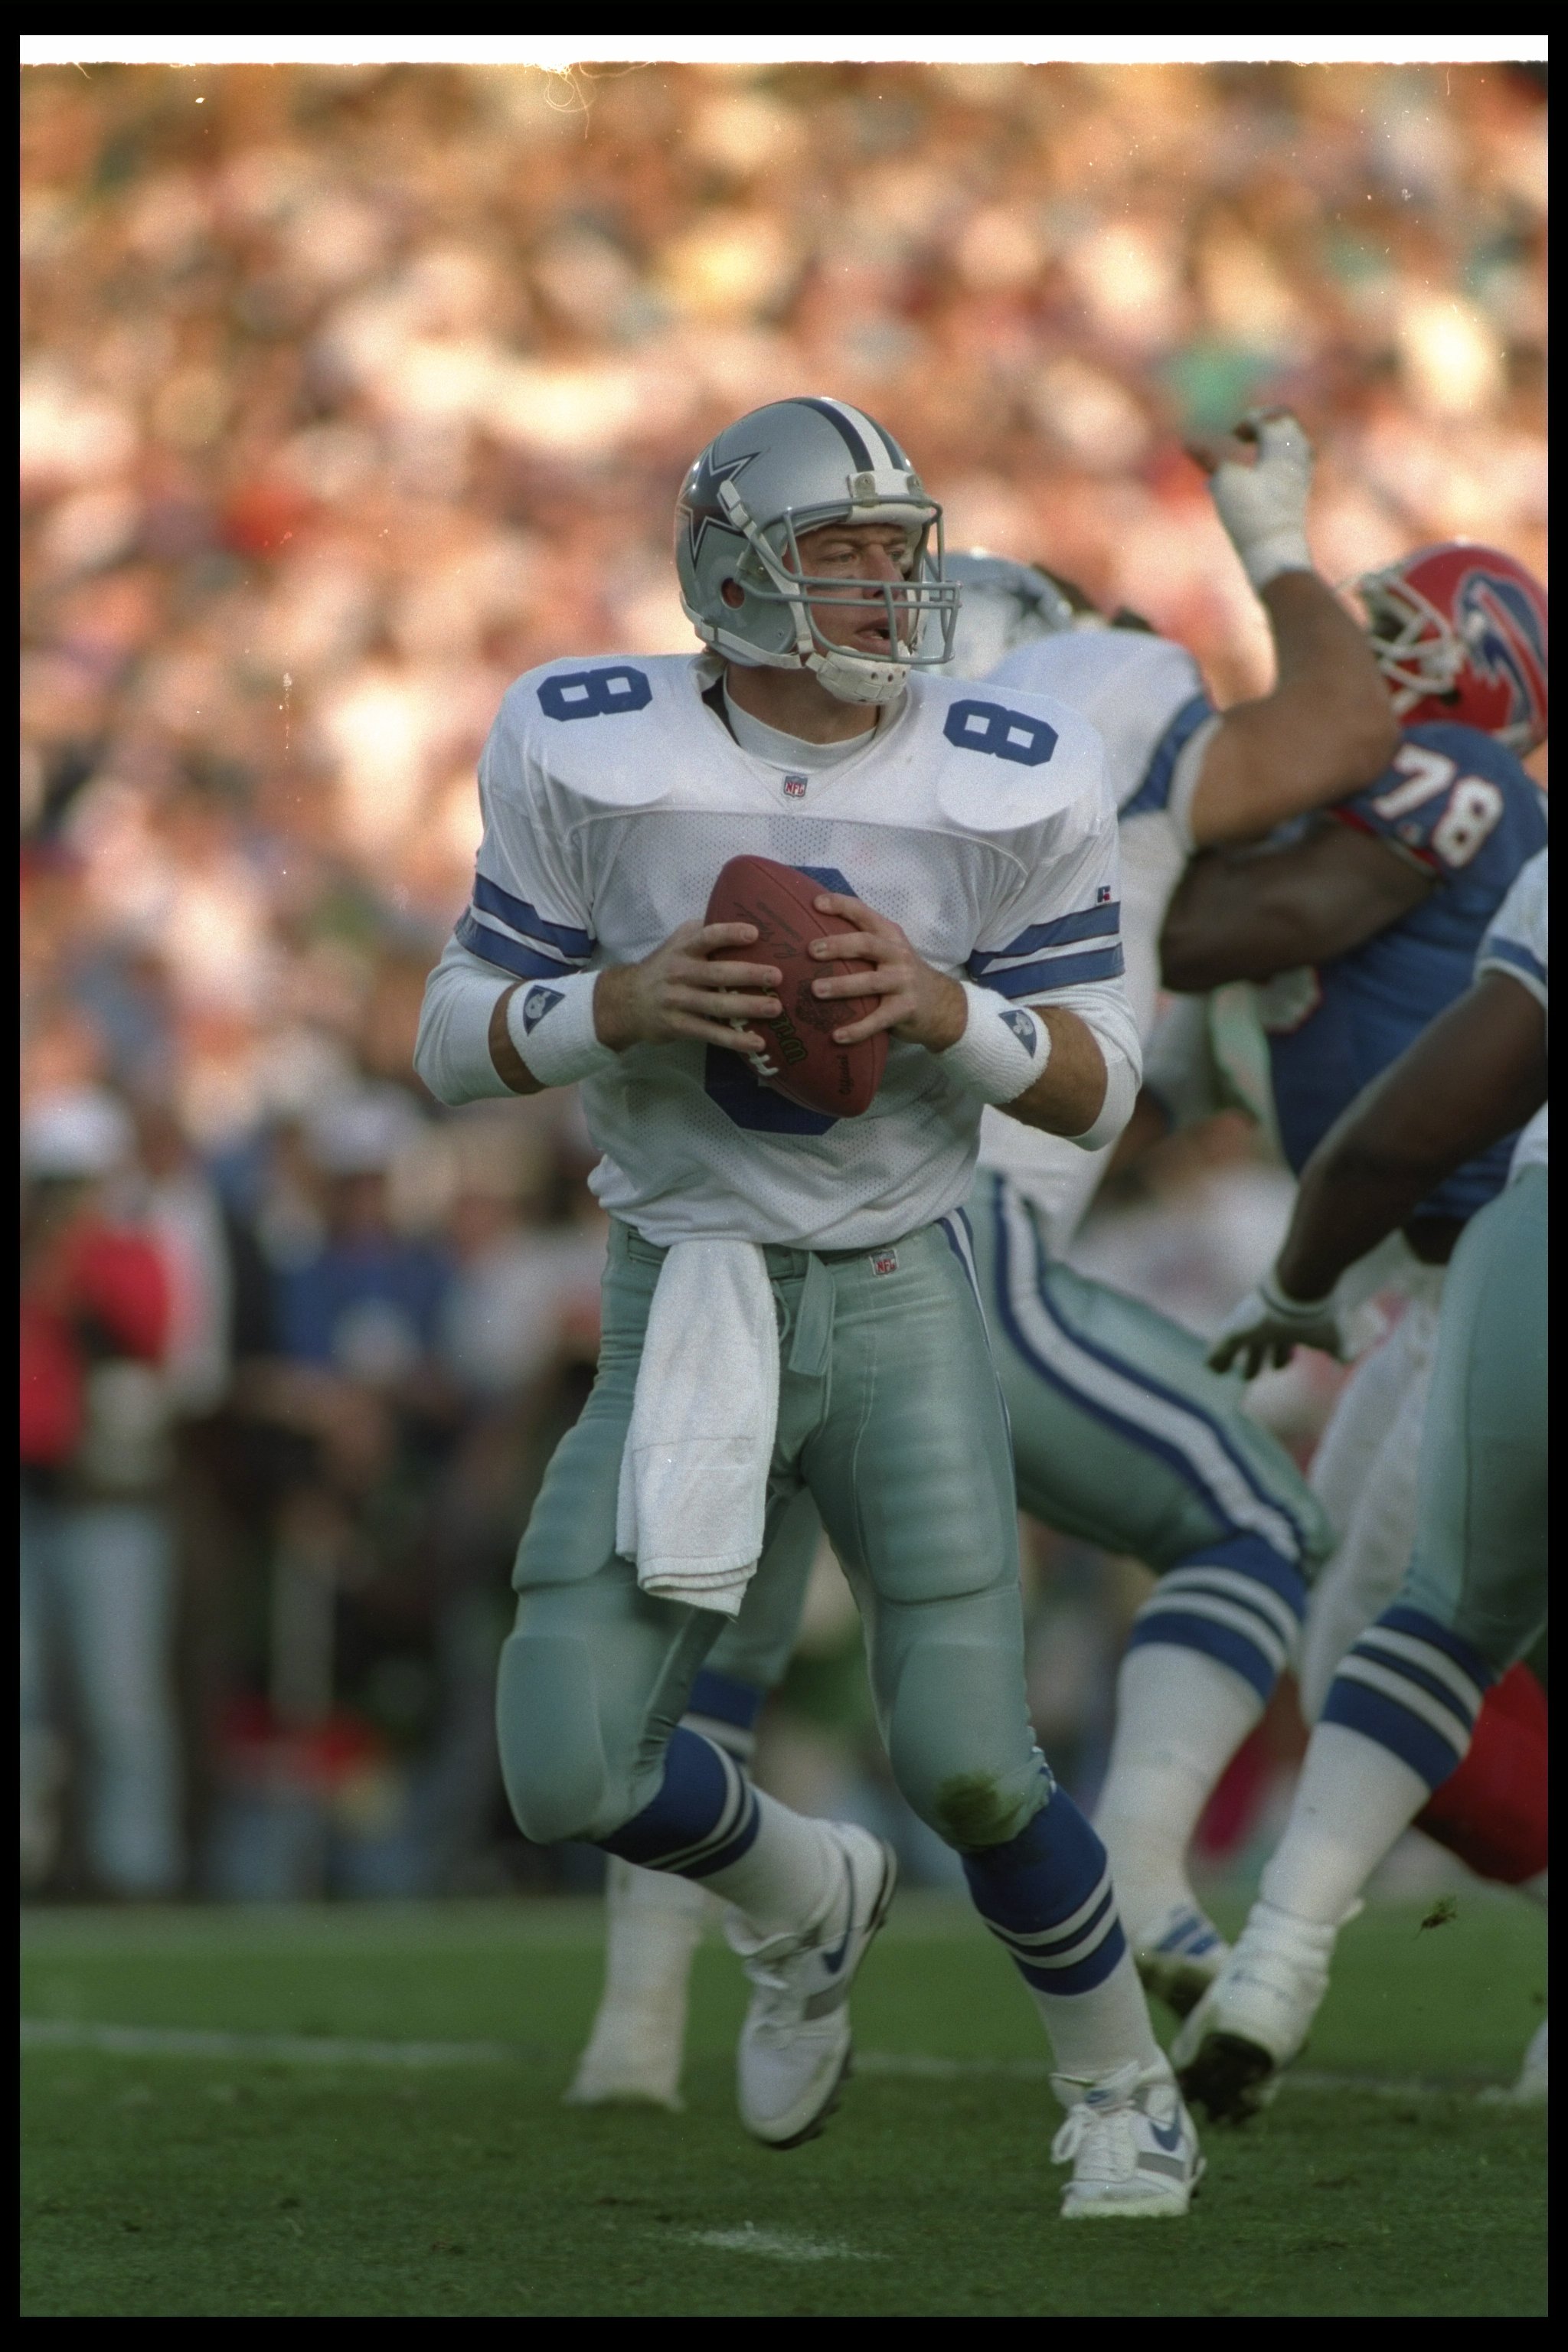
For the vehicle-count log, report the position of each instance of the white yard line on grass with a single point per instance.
(342, 2050)
(292, 2049)
(777, 2245)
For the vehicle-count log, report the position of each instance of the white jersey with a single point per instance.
(1515, 943)
(1145, 698)
(612, 795)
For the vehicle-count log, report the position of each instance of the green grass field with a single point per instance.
(234, 2177)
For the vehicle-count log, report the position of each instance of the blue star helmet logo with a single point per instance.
(700, 500)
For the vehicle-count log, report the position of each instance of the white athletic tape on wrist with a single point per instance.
(1003, 1047)
(1264, 507)
(551, 1022)
(1285, 1309)
(1282, 551)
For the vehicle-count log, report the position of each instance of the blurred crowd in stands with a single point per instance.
(347, 394)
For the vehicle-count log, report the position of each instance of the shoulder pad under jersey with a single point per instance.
(1144, 694)
(610, 728)
(1004, 761)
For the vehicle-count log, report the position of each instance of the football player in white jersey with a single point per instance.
(1402, 1706)
(1120, 1434)
(789, 1299)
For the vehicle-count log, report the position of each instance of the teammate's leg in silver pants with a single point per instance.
(1364, 1476)
(1479, 1566)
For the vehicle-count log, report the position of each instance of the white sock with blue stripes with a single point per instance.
(1354, 1798)
(1180, 1718)
(788, 1876)
(1093, 2032)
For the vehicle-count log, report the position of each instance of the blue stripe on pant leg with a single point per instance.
(1046, 1895)
(704, 1817)
(1270, 1509)
(1130, 1370)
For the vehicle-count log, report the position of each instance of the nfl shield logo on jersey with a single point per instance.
(537, 1004)
(795, 788)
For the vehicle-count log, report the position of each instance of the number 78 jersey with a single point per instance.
(1462, 806)
(613, 793)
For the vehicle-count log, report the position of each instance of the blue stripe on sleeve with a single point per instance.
(1035, 979)
(1088, 923)
(510, 954)
(1155, 789)
(493, 901)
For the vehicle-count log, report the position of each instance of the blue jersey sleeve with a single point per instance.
(1471, 815)
(1451, 799)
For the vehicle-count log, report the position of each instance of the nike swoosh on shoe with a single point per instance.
(833, 1961)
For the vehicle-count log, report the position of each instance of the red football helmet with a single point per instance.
(1459, 632)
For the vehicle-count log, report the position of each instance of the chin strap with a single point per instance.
(849, 680)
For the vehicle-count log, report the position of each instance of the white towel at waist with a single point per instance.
(694, 1473)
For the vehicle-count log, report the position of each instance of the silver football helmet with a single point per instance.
(1004, 604)
(753, 493)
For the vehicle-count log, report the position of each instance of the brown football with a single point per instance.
(801, 1062)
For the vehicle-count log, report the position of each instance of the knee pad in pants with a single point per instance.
(961, 1748)
(557, 1775)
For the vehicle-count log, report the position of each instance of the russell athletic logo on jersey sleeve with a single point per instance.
(1075, 949)
(506, 931)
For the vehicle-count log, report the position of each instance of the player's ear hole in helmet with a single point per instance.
(756, 492)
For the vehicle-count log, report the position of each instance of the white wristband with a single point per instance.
(1004, 1048)
(551, 1022)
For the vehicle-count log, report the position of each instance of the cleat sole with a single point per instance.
(1230, 2078)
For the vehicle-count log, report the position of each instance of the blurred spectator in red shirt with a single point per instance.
(97, 1561)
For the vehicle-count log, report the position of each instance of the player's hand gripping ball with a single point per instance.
(802, 1061)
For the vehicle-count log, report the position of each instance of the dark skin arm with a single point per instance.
(1245, 914)
(1326, 729)
(1476, 1075)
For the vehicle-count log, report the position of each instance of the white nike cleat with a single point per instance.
(653, 1924)
(1257, 2014)
(1530, 2091)
(1178, 1954)
(1131, 2146)
(794, 2045)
